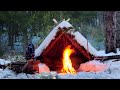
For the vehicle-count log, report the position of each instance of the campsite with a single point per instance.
(59, 45)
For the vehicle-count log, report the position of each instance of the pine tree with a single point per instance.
(110, 31)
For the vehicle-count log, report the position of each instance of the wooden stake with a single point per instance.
(68, 20)
(55, 21)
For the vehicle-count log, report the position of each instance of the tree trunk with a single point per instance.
(15, 32)
(118, 29)
(9, 34)
(110, 31)
(0, 42)
(12, 39)
(25, 41)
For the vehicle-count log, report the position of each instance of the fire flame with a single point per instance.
(67, 64)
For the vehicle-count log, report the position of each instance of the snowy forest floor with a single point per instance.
(112, 71)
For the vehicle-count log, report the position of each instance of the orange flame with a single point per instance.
(67, 64)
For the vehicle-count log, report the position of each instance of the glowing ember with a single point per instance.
(67, 64)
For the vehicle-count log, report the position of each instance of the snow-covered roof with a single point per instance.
(78, 37)
(83, 42)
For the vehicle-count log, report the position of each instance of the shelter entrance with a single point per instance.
(52, 56)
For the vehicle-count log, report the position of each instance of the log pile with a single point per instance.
(29, 67)
(16, 66)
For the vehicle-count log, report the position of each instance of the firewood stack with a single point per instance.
(29, 67)
(16, 66)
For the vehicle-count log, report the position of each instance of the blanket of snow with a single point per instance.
(102, 53)
(110, 71)
(43, 68)
(4, 62)
(92, 66)
(78, 37)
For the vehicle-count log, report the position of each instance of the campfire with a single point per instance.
(67, 64)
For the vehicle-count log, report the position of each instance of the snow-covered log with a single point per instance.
(104, 58)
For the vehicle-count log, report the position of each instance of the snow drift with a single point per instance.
(92, 66)
(43, 68)
(4, 62)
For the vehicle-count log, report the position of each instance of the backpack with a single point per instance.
(30, 52)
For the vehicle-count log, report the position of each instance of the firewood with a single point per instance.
(31, 67)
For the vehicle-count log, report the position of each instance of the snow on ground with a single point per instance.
(112, 71)
(102, 53)
(3, 62)
(9, 74)
(93, 66)
(13, 58)
(43, 68)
